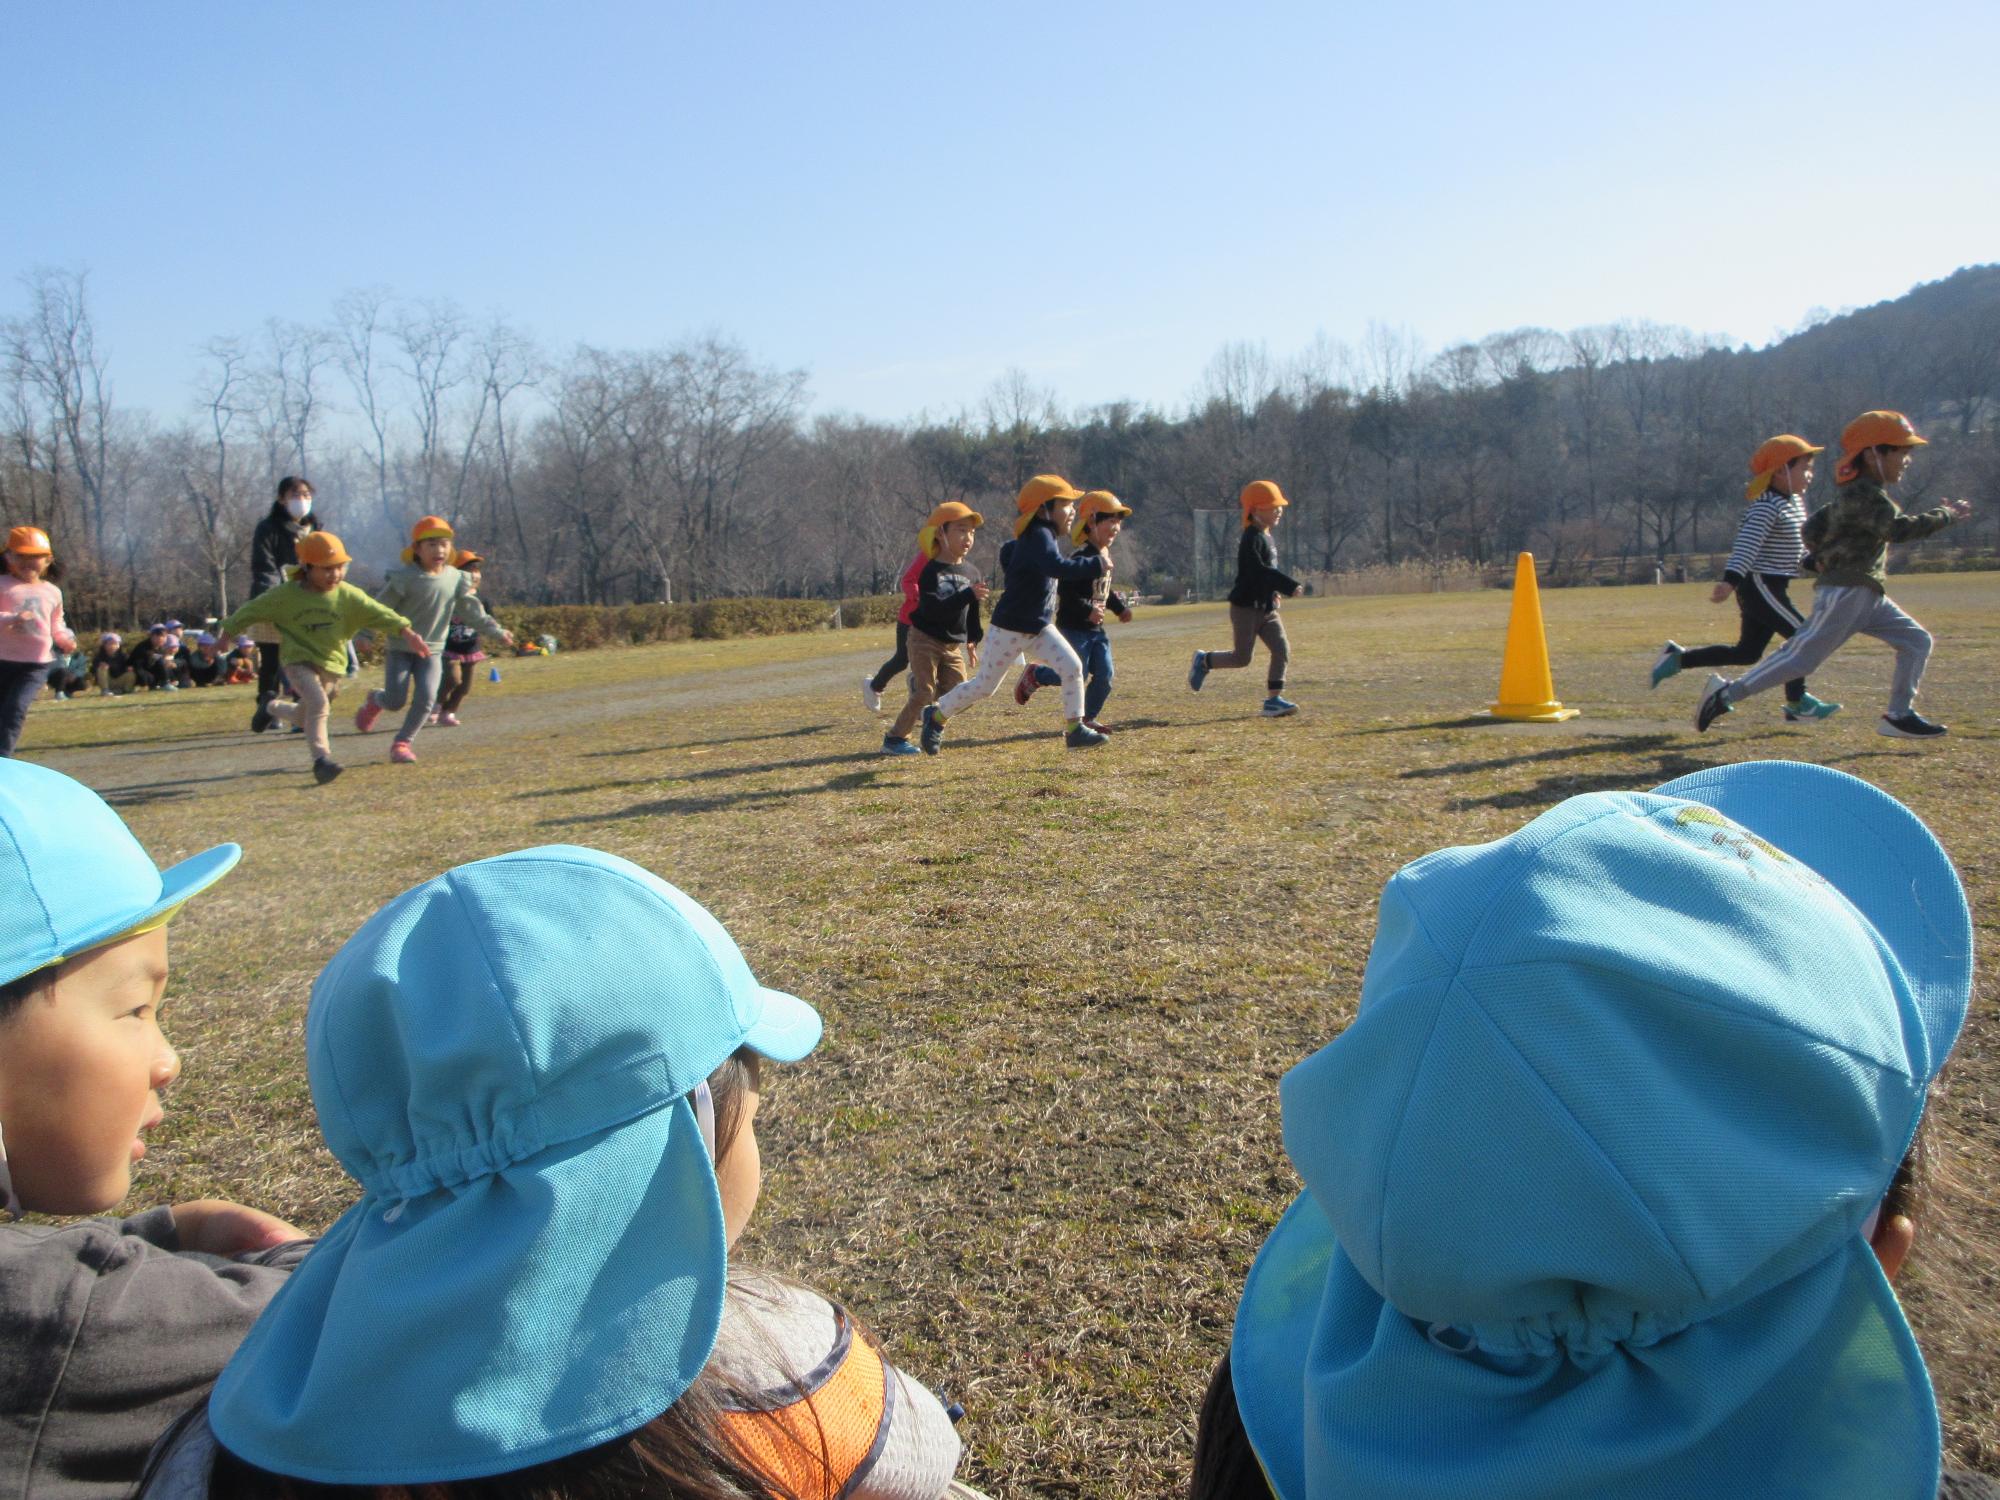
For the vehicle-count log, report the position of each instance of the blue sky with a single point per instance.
(908, 200)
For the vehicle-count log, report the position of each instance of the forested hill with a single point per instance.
(603, 476)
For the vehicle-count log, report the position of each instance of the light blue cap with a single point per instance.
(501, 1058)
(1586, 1176)
(71, 874)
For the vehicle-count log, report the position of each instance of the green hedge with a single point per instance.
(580, 627)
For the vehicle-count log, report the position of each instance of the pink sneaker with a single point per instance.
(401, 754)
(448, 721)
(366, 715)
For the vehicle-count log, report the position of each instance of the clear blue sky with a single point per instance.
(909, 199)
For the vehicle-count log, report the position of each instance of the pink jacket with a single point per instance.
(31, 621)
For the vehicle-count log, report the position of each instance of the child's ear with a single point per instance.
(1892, 1242)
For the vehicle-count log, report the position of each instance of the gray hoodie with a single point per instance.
(110, 1332)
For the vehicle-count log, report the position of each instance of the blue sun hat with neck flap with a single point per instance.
(1587, 1177)
(502, 1059)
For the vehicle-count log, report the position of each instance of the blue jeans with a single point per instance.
(1093, 649)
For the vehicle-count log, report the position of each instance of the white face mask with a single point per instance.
(299, 507)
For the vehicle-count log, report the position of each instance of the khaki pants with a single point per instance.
(315, 690)
(1250, 626)
(936, 667)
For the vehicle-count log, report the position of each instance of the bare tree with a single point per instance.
(358, 319)
(53, 351)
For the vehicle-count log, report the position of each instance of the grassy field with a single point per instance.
(1040, 1143)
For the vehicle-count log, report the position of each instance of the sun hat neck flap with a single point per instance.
(501, 1058)
(1594, 1156)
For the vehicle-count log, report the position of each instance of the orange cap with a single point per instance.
(465, 559)
(322, 549)
(944, 515)
(1096, 503)
(1038, 492)
(1259, 493)
(29, 541)
(1872, 429)
(1772, 455)
(426, 528)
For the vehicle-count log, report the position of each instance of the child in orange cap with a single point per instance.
(1022, 624)
(1081, 605)
(1253, 601)
(872, 683)
(1767, 556)
(316, 613)
(1849, 542)
(945, 632)
(31, 629)
(432, 593)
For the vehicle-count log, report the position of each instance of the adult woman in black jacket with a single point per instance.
(274, 547)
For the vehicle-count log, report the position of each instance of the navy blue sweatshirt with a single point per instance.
(1258, 581)
(1034, 567)
(947, 610)
(1077, 597)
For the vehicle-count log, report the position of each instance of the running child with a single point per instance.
(873, 683)
(1608, 1184)
(944, 634)
(1021, 625)
(1848, 544)
(316, 613)
(1762, 565)
(555, 1148)
(1253, 600)
(432, 593)
(31, 629)
(1081, 607)
(113, 1327)
(462, 652)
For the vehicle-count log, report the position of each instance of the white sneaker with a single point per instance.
(869, 696)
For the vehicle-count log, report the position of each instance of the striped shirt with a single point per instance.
(1768, 540)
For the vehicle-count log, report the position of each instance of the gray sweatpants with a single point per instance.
(402, 671)
(1838, 613)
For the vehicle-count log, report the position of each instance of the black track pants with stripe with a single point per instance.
(1767, 611)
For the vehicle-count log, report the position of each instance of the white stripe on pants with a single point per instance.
(1000, 650)
(1840, 612)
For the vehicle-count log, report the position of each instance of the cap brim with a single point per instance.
(1818, 1383)
(786, 1029)
(517, 1318)
(1876, 853)
(178, 884)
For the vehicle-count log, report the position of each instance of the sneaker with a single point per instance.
(261, 719)
(1909, 726)
(1668, 664)
(1277, 707)
(1809, 710)
(447, 721)
(324, 770)
(1095, 724)
(401, 754)
(932, 737)
(893, 745)
(1025, 685)
(869, 696)
(1083, 737)
(1713, 705)
(1198, 671)
(430, 721)
(366, 715)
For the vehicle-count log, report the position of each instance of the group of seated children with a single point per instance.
(1606, 1186)
(164, 659)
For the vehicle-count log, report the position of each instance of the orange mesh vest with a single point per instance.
(821, 1437)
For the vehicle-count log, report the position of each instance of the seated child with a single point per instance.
(941, 644)
(242, 662)
(109, 668)
(556, 1146)
(112, 1327)
(152, 661)
(205, 665)
(1602, 1186)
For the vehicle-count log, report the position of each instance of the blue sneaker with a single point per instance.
(1668, 664)
(933, 731)
(1198, 673)
(891, 745)
(1277, 707)
(1809, 710)
(1083, 737)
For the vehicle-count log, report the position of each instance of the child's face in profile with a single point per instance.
(1266, 516)
(432, 552)
(1794, 478)
(1893, 462)
(82, 1062)
(324, 578)
(473, 574)
(1062, 514)
(955, 540)
(1104, 530)
(739, 1175)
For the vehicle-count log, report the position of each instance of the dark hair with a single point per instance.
(684, 1452)
(15, 992)
(290, 485)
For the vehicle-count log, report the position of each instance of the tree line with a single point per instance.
(694, 471)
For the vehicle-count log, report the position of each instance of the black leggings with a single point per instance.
(270, 676)
(897, 663)
(21, 682)
(1767, 611)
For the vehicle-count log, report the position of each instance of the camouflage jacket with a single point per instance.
(1847, 540)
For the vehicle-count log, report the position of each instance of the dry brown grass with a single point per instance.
(1040, 1143)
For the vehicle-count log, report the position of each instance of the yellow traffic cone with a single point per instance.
(1527, 691)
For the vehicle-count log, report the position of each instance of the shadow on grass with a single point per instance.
(1470, 721)
(146, 793)
(802, 732)
(667, 807)
(1560, 752)
(1553, 789)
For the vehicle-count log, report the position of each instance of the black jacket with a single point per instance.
(1258, 581)
(274, 546)
(1077, 597)
(946, 609)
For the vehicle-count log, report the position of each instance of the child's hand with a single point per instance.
(1096, 614)
(981, 590)
(1721, 592)
(1125, 617)
(1959, 508)
(214, 1226)
(419, 647)
(507, 637)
